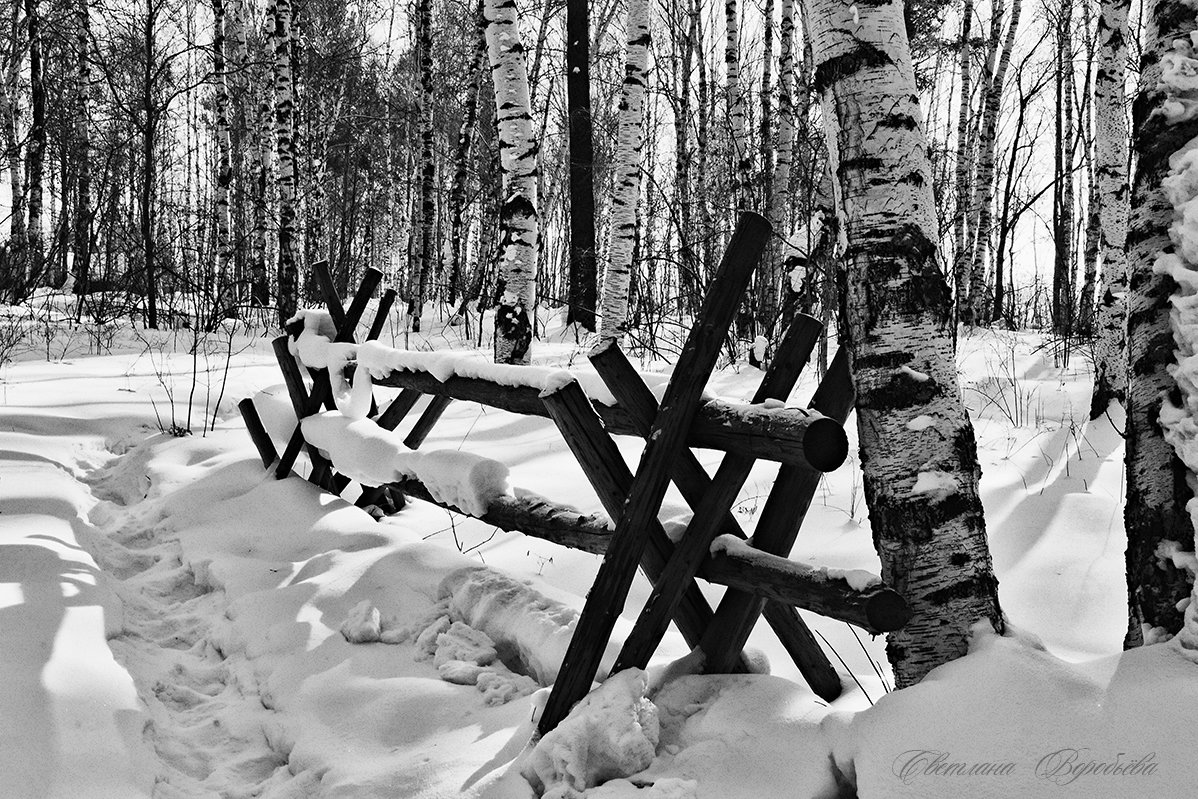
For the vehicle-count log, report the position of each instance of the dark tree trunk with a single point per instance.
(583, 271)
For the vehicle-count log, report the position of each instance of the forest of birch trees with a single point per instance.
(927, 168)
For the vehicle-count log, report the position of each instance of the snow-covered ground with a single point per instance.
(176, 623)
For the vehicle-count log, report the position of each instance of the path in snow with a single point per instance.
(206, 720)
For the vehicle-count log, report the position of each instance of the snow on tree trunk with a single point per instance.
(1110, 171)
(285, 132)
(518, 159)
(742, 156)
(964, 166)
(1157, 491)
(921, 485)
(613, 307)
(987, 141)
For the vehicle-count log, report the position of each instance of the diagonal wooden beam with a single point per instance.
(694, 483)
(611, 478)
(320, 389)
(778, 525)
(649, 484)
(714, 505)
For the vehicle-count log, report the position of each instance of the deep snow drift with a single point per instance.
(174, 622)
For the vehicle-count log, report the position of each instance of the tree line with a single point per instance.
(170, 157)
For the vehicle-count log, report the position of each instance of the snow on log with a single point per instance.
(530, 631)
(373, 456)
(855, 596)
(788, 435)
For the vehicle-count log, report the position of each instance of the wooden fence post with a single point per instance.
(649, 484)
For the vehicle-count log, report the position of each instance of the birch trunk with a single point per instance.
(285, 145)
(461, 174)
(428, 173)
(1062, 279)
(81, 268)
(9, 110)
(921, 485)
(964, 167)
(613, 308)
(987, 145)
(224, 160)
(1156, 480)
(778, 187)
(683, 152)
(35, 151)
(742, 156)
(1110, 171)
(520, 230)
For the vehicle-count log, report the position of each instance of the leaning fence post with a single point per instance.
(649, 484)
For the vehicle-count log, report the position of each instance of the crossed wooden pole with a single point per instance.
(681, 420)
(635, 499)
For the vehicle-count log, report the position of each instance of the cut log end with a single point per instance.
(825, 444)
(887, 611)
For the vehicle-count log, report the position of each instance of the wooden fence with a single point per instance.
(759, 576)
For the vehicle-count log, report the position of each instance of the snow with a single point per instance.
(372, 455)
(935, 485)
(175, 622)
(914, 374)
(613, 732)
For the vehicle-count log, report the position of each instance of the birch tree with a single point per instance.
(35, 154)
(1110, 171)
(742, 156)
(613, 309)
(779, 188)
(964, 166)
(520, 230)
(81, 267)
(428, 171)
(224, 138)
(285, 144)
(918, 453)
(987, 145)
(1157, 490)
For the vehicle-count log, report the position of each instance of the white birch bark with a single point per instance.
(964, 165)
(224, 139)
(520, 230)
(284, 98)
(921, 485)
(1110, 171)
(742, 156)
(987, 144)
(1157, 490)
(613, 303)
(81, 267)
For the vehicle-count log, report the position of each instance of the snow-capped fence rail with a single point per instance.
(362, 445)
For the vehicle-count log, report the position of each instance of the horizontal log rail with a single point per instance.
(877, 609)
(786, 435)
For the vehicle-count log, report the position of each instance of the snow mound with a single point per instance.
(612, 733)
(530, 631)
(372, 455)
